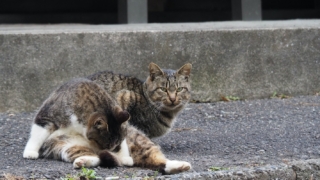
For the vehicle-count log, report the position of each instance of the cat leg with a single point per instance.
(124, 155)
(37, 136)
(146, 154)
(70, 148)
(81, 156)
(173, 167)
(86, 161)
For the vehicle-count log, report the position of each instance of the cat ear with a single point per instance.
(99, 122)
(185, 70)
(155, 71)
(123, 116)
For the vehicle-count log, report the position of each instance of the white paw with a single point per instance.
(30, 154)
(86, 161)
(127, 161)
(173, 167)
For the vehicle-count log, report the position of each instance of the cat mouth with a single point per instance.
(172, 106)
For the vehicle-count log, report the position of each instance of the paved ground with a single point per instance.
(239, 135)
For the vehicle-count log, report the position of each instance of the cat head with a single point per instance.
(168, 89)
(108, 130)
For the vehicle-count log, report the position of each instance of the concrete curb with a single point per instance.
(243, 59)
(296, 170)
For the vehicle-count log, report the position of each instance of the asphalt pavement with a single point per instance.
(249, 139)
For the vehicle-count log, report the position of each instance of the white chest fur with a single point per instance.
(74, 128)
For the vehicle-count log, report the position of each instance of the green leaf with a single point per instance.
(216, 168)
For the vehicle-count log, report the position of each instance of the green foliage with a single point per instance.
(274, 95)
(230, 98)
(233, 98)
(280, 96)
(216, 168)
(69, 177)
(87, 174)
(156, 173)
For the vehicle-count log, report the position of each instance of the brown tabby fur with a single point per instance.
(144, 152)
(95, 114)
(153, 106)
(82, 98)
(97, 134)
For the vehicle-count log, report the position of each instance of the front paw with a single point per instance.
(173, 167)
(127, 161)
(30, 154)
(86, 161)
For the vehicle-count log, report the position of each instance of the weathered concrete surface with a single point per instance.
(244, 59)
(307, 169)
(296, 170)
(261, 173)
(261, 139)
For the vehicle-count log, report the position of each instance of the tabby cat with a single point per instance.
(71, 119)
(153, 106)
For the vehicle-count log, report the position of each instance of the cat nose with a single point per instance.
(172, 97)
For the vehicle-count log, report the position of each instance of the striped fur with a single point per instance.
(147, 154)
(75, 123)
(83, 121)
(153, 104)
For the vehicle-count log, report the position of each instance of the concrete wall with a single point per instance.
(244, 59)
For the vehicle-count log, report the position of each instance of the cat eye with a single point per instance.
(163, 89)
(180, 89)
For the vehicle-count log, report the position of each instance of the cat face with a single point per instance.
(108, 131)
(168, 89)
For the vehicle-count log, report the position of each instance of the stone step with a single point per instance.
(243, 59)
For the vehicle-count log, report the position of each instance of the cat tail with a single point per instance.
(107, 159)
(111, 159)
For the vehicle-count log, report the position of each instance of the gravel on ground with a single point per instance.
(221, 135)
